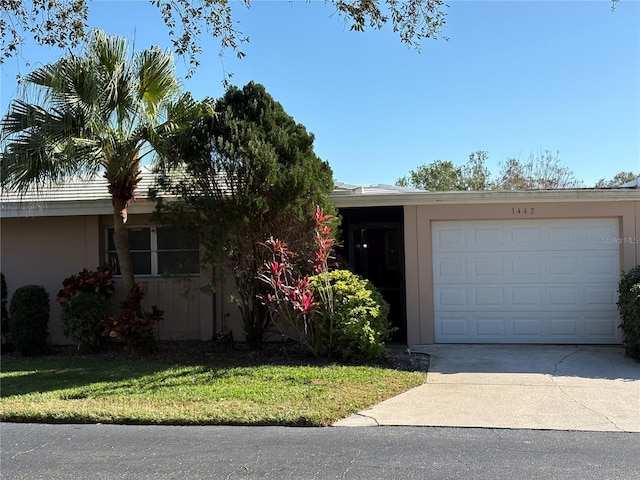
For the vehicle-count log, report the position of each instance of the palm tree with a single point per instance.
(102, 111)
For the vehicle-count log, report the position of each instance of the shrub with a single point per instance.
(4, 314)
(133, 325)
(629, 307)
(29, 319)
(99, 281)
(358, 326)
(83, 317)
(85, 305)
(292, 302)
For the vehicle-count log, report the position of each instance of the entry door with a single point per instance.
(377, 255)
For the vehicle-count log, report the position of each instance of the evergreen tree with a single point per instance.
(245, 170)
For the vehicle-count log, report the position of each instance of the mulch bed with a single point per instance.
(238, 355)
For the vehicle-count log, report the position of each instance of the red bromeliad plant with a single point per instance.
(324, 241)
(292, 301)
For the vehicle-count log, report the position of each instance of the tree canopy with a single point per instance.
(245, 170)
(443, 175)
(542, 171)
(63, 23)
(618, 180)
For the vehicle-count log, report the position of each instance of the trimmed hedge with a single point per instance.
(629, 308)
(83, 319)
(4, 313)
(84, 300)
(29, 320)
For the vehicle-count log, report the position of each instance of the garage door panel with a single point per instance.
(524, 269)
(600, 296)
(564, 236)
(451, 267)
(532, 281)
(604, 267)
(493, 326)
(451, 239)
(563, 267)
(518, 328)
(487, 238)
(513, 268)
(527, 237)
(563, 296)
(452, 297)
(599, 327)
(563, 327)
(487, 268)
(530, 298)
(525, 298)
(527, 327)
(600, 233)
(453, 326)
(491, 296)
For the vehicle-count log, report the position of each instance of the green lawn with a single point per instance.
(122, 389)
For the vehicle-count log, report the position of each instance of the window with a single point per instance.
(158, 251)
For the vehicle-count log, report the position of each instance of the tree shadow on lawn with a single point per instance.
(120, 371)
(40, 375)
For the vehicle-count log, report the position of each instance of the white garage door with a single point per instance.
(526, 281)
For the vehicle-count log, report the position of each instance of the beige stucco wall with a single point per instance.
(44, 251)
(418, 248)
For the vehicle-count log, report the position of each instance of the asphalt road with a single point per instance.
(162, 452)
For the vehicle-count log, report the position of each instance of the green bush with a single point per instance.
(629, 307)
(83, 319)
(29, 319)
(358, 327)
(4, 314)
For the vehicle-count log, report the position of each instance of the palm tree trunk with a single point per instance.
(121, 241)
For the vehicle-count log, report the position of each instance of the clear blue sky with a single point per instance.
(514, 78)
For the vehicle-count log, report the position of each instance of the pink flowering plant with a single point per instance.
(292, 300)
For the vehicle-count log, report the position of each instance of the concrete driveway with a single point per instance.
(552, 387)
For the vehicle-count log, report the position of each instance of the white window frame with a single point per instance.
(153, 251)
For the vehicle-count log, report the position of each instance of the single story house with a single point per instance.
(456, 267)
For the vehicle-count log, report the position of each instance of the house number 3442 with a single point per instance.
(523, 211)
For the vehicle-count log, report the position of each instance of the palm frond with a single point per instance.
(90, 112)
(157, 83)
(109, 51)
(32, 159)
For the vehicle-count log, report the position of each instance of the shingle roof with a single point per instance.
(90, 196)
(83, 188)
(94, 188)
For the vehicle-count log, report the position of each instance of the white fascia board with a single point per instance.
(71, 208)
(437, 198)
(342, 200)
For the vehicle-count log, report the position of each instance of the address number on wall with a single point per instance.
(523, 211)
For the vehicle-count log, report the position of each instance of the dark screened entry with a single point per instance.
(373, 247)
